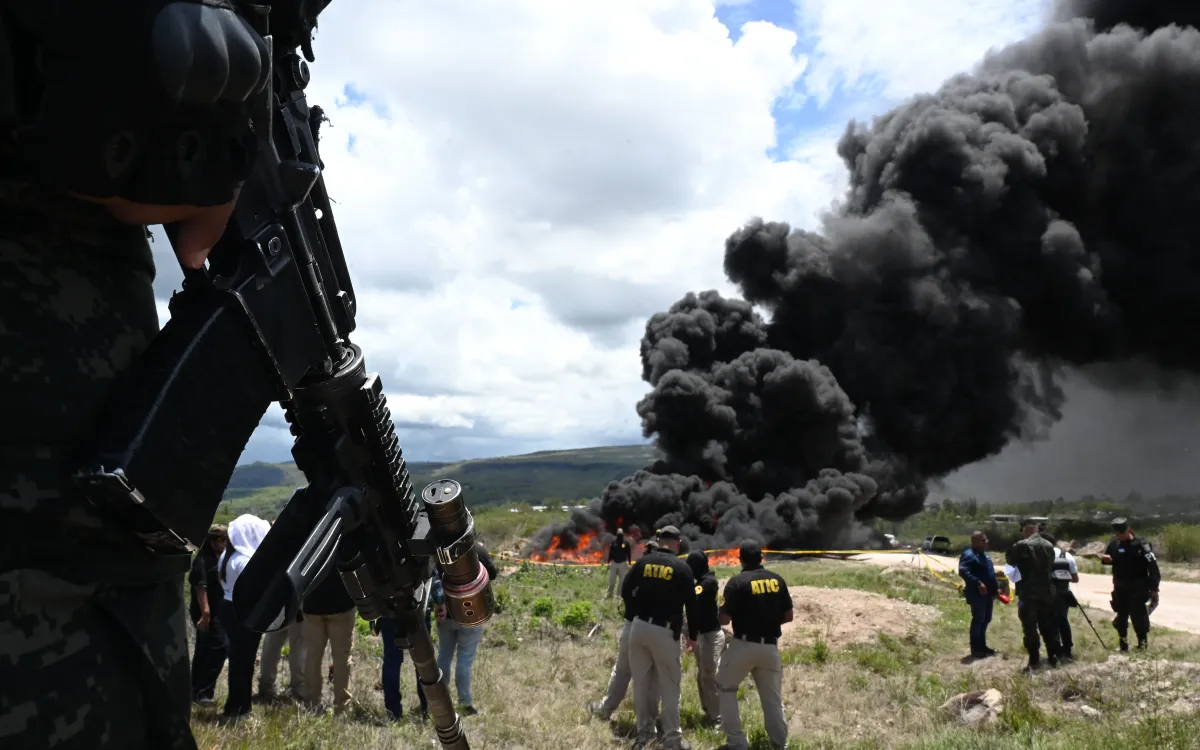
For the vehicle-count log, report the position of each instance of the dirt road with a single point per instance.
(1179, 606)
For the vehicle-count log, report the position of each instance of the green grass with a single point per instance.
(1180, 543)
(540, 662)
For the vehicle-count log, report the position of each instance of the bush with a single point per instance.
(1181, 542)
(543, 607)
(577, 615)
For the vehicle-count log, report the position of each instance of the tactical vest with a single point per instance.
(1060, 571)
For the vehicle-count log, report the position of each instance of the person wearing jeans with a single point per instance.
(329, 617)
(393, 660)
(453, 638)
(980, 588)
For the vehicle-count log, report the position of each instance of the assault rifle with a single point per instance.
(268, 321)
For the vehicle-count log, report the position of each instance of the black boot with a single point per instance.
(1124, 646)
(1141, 643)
(1035, 663)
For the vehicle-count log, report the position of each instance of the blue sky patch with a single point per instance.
(797, 116)
(353, 96)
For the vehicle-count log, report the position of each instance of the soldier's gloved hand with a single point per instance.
(146, 109)
(1153, 600)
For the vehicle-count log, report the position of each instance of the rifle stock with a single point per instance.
(267, 320)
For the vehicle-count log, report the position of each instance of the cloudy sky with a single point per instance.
(520, 183)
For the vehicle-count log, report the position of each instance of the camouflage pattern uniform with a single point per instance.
(93, 646)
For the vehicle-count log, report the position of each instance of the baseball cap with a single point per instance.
(620, 531)
(1028, 522)
(1120, 524)
(668, 532)
(218, 529)
(649, 546)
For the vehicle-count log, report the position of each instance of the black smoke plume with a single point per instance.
(1037, 214)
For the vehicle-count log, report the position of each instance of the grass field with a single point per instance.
(857, 676)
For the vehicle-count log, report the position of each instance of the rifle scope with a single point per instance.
(468, 590)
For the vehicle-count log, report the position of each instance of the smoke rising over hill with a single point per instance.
(1034, 215)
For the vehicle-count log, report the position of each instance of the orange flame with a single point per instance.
(588, 550)
(725, 558)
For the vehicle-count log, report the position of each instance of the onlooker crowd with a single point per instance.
(327, 617)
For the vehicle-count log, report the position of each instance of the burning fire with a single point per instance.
(590, 551)
(724, 558)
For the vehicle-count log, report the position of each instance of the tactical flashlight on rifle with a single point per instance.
(268, 320)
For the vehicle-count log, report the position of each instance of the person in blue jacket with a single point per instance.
(977, 571)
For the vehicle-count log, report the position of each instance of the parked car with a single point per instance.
(937, 544)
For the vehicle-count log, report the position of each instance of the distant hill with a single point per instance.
(544, 477)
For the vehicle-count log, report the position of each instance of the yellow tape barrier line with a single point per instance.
(515, 558)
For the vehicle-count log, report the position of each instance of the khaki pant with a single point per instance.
(618, 683)
(272, 648)
(616, 574)
(763, 663)
(709, 647)
(338, 631)
(654, 651)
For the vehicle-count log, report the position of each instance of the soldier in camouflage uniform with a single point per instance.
(93, 647)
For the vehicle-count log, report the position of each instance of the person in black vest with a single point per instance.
(705, 630)
(661, 586)
(1064, 571)
(757, 603)
(618, 557)
(212, 645)
(1135, 579)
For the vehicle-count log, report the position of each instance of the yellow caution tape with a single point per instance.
(798, 552)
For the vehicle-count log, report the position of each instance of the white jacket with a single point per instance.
(246, 533)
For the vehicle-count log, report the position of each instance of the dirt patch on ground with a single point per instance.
(844, 616)
(1124, 683)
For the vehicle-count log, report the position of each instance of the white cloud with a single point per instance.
(897, 49)
(528, 180)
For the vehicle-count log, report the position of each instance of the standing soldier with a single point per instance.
(619, 555)
(757, 603)
(1033, 557)
(705, 630)
(211, 643)
(92, 623)
(660, 586)
(1064, 571)
(1135, 579)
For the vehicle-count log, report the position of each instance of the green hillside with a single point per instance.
(551, 477)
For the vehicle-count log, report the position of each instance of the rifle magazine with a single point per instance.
(172, 435)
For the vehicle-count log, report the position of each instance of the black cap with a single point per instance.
(620, 532)
(1120, 525)
(668, 532)
(649, 546)
(1028, 522)
(750, 551)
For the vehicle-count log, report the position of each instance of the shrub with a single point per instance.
(1181, 542)
(577, 615)
(543, 607)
